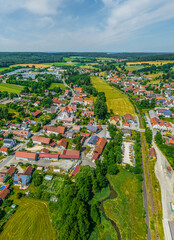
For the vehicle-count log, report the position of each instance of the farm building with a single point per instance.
(23, 155)
(70, 154)
(53, 156)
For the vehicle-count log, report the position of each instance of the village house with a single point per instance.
(37, 113)
(114, 120)
(161, 124)
(37, 104)
(5, 192)
(4, 150)
(62, 144)
(9, 143)
(7, 174)
(41, 140)
(54, 130)
(129, 118)
(22, 133)
(23, 179)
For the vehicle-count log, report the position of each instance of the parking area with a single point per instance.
(128, 153)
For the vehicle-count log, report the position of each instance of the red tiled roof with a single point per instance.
(63, 142)
(76, 170)
(59, 129)
(44, 150)
(152, 152)
(128, 117)
(4, 193)
(28, 170)
(100, 145)
(24, 154)
(3, 149)
(68, 154)
(41, 139)
(11, 170)
(115, 118)
(48, 155)
(35, 114)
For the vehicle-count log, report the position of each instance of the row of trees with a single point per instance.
(74, 216)
(100, 107)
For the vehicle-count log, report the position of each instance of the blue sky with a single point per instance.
(87, 25)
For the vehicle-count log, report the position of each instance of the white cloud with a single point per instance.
(39, 7)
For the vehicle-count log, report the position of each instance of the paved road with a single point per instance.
(166, 180)
(66, 85)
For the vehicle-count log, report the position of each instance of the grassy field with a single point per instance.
(162, 62)
(31, 221)
(116, 100)
(134, 68)
(61, 85)
(10, 88)
(127, 209)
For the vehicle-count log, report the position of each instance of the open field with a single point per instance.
(116, 100)
(43, 65)
(127, 210)
(31, 221)
(61, 85)
(134, 68)
(162, 62)
(10, 88)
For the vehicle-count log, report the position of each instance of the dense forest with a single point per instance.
(10, 58)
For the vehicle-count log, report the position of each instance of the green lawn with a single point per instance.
(127, 209)
(115, 99)
(61, 85)
(30, 222)
(10, 88)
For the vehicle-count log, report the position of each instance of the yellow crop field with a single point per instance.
(115, 99)
(150, 62)
(36, 65)
(31, 221)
